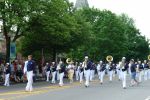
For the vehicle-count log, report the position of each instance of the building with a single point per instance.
(81, 4)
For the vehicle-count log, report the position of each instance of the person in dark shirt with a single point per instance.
(133, 73)
(47, 67)
(53, 70)
(29, 68)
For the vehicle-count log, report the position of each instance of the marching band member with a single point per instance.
(133, 73)
(61, 69)
(7, 74)
(98, 69)
(77, 71)
(102, 72)
(124, 68)
(140, 70)
(28, 70)
(87, 65)
(145, 70)
(149, 69)
(47, 67)
(53, 70)
(70, 71)
(118, 71)
(110, 69)
(92, 72)
(81, 69)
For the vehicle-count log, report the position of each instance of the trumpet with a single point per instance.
(109, 58)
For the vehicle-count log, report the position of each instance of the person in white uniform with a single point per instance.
(101, 71)
(77, 71)
(47, 67)
(53, 70)
(28, 71)
(140, 70)
(61, 69)
(7, 74)
(81, 69)
(146, 67)
(110, 69)
(124, 68)
(87, 66)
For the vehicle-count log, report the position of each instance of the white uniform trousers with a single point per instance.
(53, 77)
(6, 80)
(140, 75)
(81, 76)
(92, 72)
(110, 75)
(61, 76)
(77, 75)
(87, 77)
(123, 78)
(145, 74)
(47, 76)
(30, 81)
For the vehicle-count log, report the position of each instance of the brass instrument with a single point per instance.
(69, 60)
(109, 58)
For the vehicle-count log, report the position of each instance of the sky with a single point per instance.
(136, 9)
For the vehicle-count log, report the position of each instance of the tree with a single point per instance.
(15, 15)
(56, 30)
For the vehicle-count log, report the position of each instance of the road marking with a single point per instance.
(41, 90)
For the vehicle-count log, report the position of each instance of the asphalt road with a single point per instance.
(77, 91)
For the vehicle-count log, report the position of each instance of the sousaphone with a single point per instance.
(109, 58)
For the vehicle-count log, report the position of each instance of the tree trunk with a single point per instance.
(8, 49)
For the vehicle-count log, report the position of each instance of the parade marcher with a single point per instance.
(149, 69)
(123, 67)
(118, 71)
(87, 66)
(110, 69)
(81, 69)
(92, 72)
(28, 70)
(70, 68)
(133, 69)
(7, 74)
(77, 71)
(47, 68)
(101, 71)
(146, 67)
(140, 70)
(61, 69)
(53, 70)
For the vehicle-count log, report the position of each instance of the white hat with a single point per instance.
(7, 63)
(123, 57)
(100, 61)
(86, 57)
(47, 63)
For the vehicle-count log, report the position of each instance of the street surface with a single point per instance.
(76, 91)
